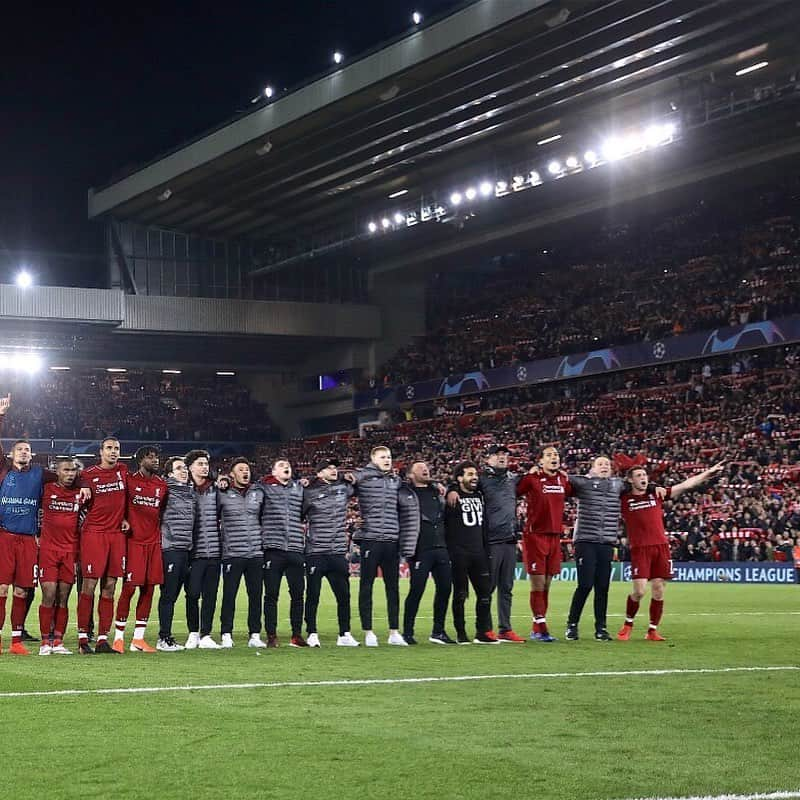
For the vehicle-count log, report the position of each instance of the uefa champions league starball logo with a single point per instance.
(410, 392)
(522, 373)
(659, 350)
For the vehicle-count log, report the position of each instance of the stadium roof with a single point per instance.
(477, 87)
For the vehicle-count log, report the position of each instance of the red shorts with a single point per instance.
(56, 566)
(145, 565)
(19, 558)
(651, 561)
(103, 555)
(542, 553)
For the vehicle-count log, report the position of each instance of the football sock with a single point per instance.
(141, 627)
(45, 622)
(539, 603)
(105, 613)
(84, 616)
(60, 628)
(123, 610)
(145, 603)
(656, 610)
(631, 607)
(19, 608)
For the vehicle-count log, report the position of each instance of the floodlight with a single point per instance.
(572, 162)
(338, 57)
(372, 227)
(456, 198)
(386, 222)
(471, 193)
(268, 92)
(485, 188)
(554, 167)
(399, 218)
(24, 279)
(416, 18)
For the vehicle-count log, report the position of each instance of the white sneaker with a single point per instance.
(227, 641)
(45, 650)
(168, 646)
(193, 641)
(396, 638)
(313, 640)
(60, 650)
(371, 640)
(347, 640)
(254, 641)
(207, 643)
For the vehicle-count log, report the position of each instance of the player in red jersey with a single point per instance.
(58, 551)
(545, 489)
(643, 513)
(146, 495)
(103, 544)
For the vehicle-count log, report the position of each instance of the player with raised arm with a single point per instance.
(58, 553)
(146, 494)
(545, 490)
(103, 545)
(21, 484)
(643, 513)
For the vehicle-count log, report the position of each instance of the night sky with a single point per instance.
(86, 92)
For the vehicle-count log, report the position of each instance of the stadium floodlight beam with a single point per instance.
(553, 138)
(485, 188)
(416, 18)
(471, 193)
(372, 227)
(386, 222)
(572, 162)
(24, 279)
(751, 68)
(268, 92)
(612, 149)
(456, 198)
(590, 157)
(554, 167)
(399, 218)
(338, 57)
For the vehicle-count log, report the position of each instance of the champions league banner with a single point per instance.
(770, 572)
(676, 348)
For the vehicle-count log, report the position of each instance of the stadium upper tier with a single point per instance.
(705, 266)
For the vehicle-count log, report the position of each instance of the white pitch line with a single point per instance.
(780, 795)
(395, 681)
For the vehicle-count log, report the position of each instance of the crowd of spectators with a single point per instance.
(702, 268)
(134, 405)
(741, 409)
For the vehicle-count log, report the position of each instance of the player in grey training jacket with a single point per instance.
(283, 541)
(385, 535)
(325, 502)
(594, 537)
(177, 536)
(204, 560)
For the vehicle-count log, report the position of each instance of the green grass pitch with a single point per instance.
(567, 736)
